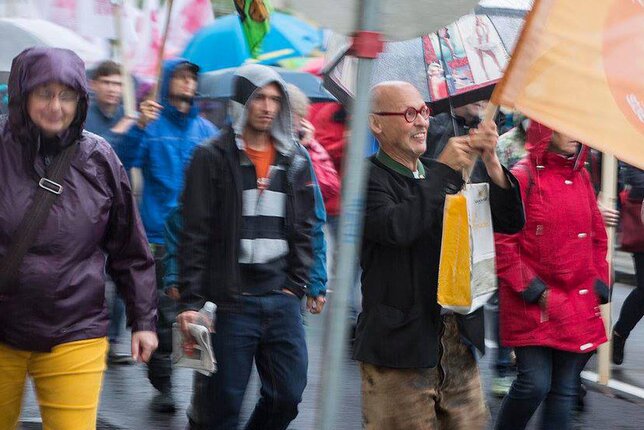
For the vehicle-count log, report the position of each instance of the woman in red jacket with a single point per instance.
(552, 277)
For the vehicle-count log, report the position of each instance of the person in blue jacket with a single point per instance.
(106, 118)
(161, 147)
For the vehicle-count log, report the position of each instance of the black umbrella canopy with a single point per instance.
(457, 65)
(218, 84)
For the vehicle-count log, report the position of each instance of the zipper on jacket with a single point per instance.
(442, 374)
(290, 197)
(544, 313)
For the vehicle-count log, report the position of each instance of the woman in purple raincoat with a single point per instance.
(53, 324)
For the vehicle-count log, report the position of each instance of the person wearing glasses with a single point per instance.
(106, 117)
(417, 361)
(53, 315)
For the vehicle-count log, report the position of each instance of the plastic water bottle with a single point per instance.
(207, 315)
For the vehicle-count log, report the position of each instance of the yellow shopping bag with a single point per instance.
(467, 275)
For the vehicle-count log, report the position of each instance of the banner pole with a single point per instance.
(366, 46)
(608, 198)
(129, 99)
(159, 71)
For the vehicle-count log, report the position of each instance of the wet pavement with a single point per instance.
(127, 393)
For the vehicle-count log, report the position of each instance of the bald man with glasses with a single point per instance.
(418, 363)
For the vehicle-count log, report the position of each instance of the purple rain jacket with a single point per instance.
(92, 228)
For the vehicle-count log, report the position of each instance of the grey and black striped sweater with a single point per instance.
(263, 246)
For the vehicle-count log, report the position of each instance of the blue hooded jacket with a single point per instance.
(163, 151)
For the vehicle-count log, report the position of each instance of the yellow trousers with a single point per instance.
(67, 381)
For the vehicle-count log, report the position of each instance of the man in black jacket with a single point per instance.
(417, 361)
(248, 211)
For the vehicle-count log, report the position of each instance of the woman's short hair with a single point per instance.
(106, 68)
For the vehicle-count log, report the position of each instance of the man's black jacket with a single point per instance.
(212, 215)
(400, 323)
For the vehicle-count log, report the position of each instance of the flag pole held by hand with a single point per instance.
(489, 114)
(159, 71)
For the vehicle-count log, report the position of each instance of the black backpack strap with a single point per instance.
(49, 188)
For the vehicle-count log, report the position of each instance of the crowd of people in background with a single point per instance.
(237, 215)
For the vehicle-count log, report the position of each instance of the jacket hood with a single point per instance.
(328, 131)
(169, 111)
(246, 81)
(38, 66)
(538, 137)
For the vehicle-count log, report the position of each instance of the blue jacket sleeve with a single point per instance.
(318, 277)
(129, 147)
(172, 232)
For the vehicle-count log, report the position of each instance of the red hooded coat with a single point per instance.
(330, 135)
(562, 249)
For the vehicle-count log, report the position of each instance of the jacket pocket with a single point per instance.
(559, 308)
(393, 317)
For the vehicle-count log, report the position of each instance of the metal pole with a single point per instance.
(129, 98)
(608, 200)
(350, 234)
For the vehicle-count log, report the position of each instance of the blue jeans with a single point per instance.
(543, 373)
(503, 364)
(117, 312)
(355, 295)
(268, 329)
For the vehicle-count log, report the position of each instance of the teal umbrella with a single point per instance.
(223, 44)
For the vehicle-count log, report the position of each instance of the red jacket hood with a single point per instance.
(538, 137)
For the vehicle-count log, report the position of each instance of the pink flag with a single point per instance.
(61, 12)
(149, 28)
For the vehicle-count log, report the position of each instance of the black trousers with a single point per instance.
(633, 308)
(160, 365)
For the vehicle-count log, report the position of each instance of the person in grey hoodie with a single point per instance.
(53, 317)
(248, 212)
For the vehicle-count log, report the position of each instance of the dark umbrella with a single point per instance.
(218, 84)
(459, 64)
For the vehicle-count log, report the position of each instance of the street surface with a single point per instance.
(127, 392)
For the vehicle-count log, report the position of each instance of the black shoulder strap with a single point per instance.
(49, 188)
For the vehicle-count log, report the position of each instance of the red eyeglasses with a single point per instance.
(410, 113)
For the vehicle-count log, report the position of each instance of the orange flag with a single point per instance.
(579, 68)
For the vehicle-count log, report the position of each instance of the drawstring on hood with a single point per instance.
(247, 80)
(38, 66)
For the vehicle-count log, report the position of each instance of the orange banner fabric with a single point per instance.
(579, 68)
